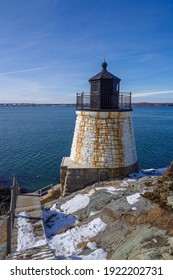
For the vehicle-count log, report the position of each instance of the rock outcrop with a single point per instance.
(124, 219)
(138, 215)
(4, 207)
(4, 201)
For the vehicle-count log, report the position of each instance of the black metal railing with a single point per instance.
(44, 190)
(108, 102)
(15, 190)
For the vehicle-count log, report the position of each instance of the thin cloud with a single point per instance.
(28, 70)
(150, 93)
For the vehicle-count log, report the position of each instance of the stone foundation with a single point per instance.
(75, 176)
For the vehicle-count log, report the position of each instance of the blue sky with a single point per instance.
(50, 48)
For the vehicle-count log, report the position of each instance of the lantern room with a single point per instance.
(104, 93)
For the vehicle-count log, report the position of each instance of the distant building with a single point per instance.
(103, 144)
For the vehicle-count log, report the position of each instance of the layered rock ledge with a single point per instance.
(138, 214)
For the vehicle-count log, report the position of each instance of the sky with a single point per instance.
(49, 49)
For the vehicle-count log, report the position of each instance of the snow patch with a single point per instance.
(26, 238)
(148, 172)
(108, 189)
(92, 213)
(160, 171)
(98, 254)
(65, 244)
(56, 221)
(91, 192)
(55, 206)
(132, 199)
(124, 184)
(92, 245)
(76, 203)
(131, 180)
(121, 189)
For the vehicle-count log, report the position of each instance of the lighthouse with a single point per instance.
(103, 145)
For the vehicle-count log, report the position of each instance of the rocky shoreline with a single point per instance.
(4, 207)
(4, 200)
(138, 214)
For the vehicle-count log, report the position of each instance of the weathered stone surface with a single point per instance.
(76, 176)
(102, 140)
(98, 134)
(141, 229)
(97, 202)
(138, 216)
(143, 242)
(120, 208)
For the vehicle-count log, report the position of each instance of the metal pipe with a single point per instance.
(102, 170)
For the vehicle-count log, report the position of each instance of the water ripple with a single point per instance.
(34, 140)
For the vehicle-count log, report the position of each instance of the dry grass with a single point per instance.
(52, 194)
(159, 217)
(82, 245)
(164, 188)
(3, 231)
(168, 175)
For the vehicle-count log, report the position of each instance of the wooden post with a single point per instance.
(15, 194)
(130, 100)
(12, 203)
(11, 213)
(14, 180)
(9, 233)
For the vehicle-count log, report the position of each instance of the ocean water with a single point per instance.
(33, 141)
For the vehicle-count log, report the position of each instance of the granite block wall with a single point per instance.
(104, 139)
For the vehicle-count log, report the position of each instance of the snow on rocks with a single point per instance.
(98, 254)
(132, 199)
(124, 183)
(66, 244)
(56, 221)
(72, 240)
(76, 203)
(92, 213)
(148, 172)
(108, 189)
(92, 245)
(61, 216)
(26, 236)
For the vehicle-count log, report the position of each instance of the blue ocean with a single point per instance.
(33, 141)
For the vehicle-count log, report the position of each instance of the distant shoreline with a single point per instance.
(35, 105)
(74, 105)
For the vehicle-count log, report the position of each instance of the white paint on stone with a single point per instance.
(104, 139)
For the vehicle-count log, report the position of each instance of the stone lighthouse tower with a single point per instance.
(103, 144)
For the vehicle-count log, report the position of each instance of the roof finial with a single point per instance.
(104, 65)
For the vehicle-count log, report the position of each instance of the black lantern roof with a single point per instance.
(104, 74)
